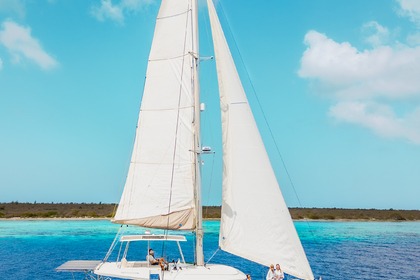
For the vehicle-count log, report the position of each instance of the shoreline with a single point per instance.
(93, 211)
(205, 219)
(55, 219)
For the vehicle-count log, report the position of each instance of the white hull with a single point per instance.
(140, 271)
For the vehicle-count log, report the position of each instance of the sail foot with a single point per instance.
(180, 220)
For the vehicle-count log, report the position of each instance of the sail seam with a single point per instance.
(169, 58)
(174, 15)
(167, 109)
(162, 163)
(177, 127)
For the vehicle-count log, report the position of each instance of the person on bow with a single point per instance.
(271, 274)
(278, 272)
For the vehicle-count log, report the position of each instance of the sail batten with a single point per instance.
(255, 223)
(159, 188)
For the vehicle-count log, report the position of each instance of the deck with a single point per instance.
(78, 266)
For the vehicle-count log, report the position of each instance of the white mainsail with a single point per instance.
(159, 189)
(256, 223)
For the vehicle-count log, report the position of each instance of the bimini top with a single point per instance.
(152, 237)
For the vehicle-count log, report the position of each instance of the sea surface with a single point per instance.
(335, 250)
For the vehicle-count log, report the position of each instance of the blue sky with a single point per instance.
(338, 82)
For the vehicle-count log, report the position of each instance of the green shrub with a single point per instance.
(75, 213)
(397, 217)
(313, 216)
(29, 215)
(92, 214)
(48, 214)
(110, 215)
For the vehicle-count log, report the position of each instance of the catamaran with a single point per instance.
(163, 185)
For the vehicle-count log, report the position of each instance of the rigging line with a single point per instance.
(210, 183)
(206, 18)
(114, 243)
(208, 36)
(194, 239)
(260, 107)
(114, 211)
(177, 126)
(207, 24)
(218, 249)
(135, 148)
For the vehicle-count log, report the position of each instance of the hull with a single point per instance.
(140, 271)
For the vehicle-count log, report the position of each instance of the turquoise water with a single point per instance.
(335, 250)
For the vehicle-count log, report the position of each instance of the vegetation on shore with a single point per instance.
(354, 214)
(106, 210)
(56, 210)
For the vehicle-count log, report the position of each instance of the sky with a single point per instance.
(334, 86)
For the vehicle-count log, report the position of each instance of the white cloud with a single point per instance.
(13, 6)
(364, 84)
(135, 5)
(19, 42)
(108, 11)
(379, 118)
(1, 64)
(116, 12)
(413, 39)
(410, 9)
(380, 72)
(378, 35)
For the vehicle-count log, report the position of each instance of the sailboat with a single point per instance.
(163, 185)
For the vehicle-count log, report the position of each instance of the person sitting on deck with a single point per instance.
(153, 261)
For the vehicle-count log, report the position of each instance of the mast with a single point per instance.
(199, 213)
